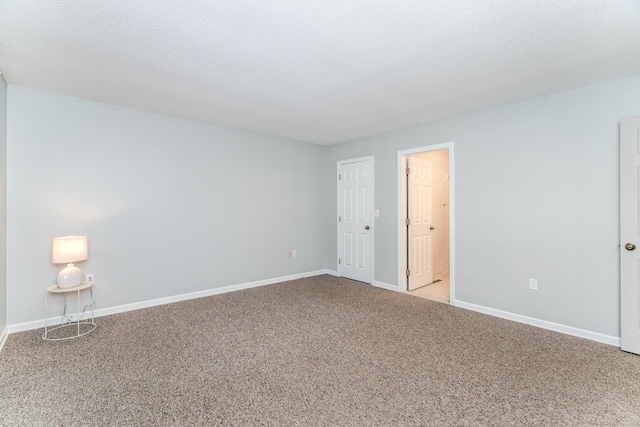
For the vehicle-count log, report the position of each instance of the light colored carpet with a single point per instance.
(321, 351)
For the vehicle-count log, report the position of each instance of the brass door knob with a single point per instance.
(629, 246)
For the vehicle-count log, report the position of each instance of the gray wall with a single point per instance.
(3, 203)
(536, 196)
(170, 206)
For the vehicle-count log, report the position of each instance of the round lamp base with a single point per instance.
(69, 277)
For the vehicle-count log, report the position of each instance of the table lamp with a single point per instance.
(67, 250)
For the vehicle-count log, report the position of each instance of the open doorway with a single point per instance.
(425, 250)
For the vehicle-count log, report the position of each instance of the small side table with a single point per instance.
(54, 289)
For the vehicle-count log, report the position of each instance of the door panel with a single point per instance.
(630, 234)
(420, 189)
(355, 212)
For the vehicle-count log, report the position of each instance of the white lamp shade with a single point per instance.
(69, 249)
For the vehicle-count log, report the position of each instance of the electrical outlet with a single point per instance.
(90, 278)
(294, 253)
(533, 284)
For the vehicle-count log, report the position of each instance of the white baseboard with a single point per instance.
(569, 330)
(3, 336)
(37, 324)
(556, 327)
(385, 286)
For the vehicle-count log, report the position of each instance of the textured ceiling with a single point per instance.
(317, 71)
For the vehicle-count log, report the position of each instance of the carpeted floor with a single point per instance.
(321, 351)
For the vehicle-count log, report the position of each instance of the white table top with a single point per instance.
(56, 290)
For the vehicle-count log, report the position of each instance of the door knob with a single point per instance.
(431, 228)
(629, 246)
(366, 227)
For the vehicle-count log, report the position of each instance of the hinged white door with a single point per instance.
(420, 228)
(630, 234)
(355, 220)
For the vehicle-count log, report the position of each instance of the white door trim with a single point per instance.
(402, 237)
(373, 228)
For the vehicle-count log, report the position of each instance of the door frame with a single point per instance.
(402, 212)
(371, 214)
